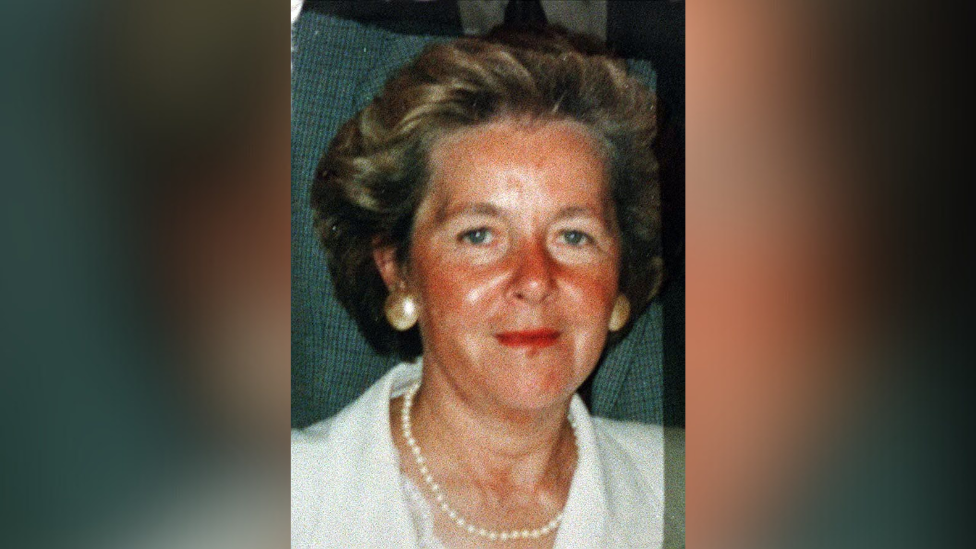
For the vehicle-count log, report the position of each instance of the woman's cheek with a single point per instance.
(589, 289)
(455, 285)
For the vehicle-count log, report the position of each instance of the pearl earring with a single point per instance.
(620, 313)
(401, 310)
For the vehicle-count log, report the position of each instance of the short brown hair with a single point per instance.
(373, 175)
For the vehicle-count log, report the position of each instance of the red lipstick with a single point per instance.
(540, 338)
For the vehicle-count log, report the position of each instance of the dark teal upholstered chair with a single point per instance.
(338, 67)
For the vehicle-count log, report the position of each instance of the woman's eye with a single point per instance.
(476, 236)
(575, 238)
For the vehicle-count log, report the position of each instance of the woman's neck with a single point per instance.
(499, 449)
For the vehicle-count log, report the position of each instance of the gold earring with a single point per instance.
(620, 313)
(401, 310)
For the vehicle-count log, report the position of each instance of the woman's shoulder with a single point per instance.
(317, 449)
(325, 470)
(648, 460)
(632, 436)
(637, 434)
(644, 448)
(312, 435)
(308, 441)
(310, 453)
(354, 421)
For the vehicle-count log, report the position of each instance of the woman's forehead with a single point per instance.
(513, 165)
(549, 136)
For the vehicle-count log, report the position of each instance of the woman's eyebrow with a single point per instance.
(579, 211)
(478, 208)
(446, 212)
(574, 211)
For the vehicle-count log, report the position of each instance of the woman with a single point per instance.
(493, 213)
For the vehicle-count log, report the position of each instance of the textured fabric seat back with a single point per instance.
(338, 67)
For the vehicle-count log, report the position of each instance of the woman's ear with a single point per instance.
(387, 265)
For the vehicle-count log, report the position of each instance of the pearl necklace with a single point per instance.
(435, 488)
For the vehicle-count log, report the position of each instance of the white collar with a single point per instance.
(584, 517)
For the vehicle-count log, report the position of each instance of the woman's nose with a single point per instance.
(533, 276)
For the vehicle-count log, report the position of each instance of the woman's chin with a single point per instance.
(536, 385)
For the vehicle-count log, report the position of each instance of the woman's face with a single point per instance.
(514, 259)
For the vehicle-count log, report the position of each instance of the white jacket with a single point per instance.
(346, 489)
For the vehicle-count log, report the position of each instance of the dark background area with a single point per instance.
(660, 39)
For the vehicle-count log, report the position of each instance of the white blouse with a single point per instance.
(348, 491)
(421, 514)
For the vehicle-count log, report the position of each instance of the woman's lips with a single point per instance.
(543, 337)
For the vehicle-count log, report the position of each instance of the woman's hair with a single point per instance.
(373, 176)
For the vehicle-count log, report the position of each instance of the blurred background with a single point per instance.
(828, 249)
(146, 293)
